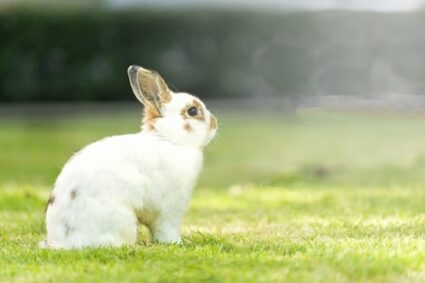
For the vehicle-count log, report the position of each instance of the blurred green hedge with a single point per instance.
(83, 55)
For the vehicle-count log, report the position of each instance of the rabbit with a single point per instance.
(105, 190)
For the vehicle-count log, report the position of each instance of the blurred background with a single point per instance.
(316, 173)
(321, 91)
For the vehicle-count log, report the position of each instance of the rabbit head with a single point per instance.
(178, 117)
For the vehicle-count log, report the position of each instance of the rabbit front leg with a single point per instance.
(166, 228)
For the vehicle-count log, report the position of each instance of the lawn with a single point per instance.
(321, 197)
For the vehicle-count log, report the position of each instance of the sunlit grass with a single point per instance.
(326, 197)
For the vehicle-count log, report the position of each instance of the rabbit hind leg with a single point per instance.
(91, 224)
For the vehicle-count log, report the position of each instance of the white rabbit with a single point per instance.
(108, 188)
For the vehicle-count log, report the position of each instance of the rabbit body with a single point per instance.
(107, 188)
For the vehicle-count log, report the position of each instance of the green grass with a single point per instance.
(326, 197)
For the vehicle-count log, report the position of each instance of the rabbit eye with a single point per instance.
(192, 111)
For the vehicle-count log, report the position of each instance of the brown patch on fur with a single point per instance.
(150, 113)
(68, 229)
(184, 111)
(74, 194)
(149, 117)
(187, 128)
(196, 103)
(50, 201)
(213, 122)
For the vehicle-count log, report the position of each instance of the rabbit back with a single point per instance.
(104, 189)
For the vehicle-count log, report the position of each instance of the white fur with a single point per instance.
(107, 188)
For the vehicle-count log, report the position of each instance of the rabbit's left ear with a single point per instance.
(148, 87)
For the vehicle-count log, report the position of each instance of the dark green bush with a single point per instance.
(83, 55)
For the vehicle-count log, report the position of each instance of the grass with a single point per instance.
(326, 197)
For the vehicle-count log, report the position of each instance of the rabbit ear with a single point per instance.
(148, 87)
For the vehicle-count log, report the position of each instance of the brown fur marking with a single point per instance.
(74, 194)
(51, 199)
(68, 229)
(196, 103)
(149, 116)
(150, 113)
(187, 128)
